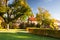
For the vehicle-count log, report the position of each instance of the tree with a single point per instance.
(2, 6)
(44, 18)
(39, 16)
(15, 10)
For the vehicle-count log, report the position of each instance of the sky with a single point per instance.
(53, 6)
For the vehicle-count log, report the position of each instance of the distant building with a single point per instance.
(17, 22)
(32, 19)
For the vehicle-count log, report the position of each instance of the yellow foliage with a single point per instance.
(2, 9)
(56, 26)
(22, 2)
(51, 26)
(46, 14)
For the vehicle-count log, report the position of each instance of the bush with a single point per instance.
(22, 25)
(38, 25)
(45, 32)
(32, 25)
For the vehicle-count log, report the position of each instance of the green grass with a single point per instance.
(23, 36)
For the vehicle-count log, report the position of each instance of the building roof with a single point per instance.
(32, 18)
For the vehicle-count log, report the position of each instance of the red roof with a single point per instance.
(32, 19)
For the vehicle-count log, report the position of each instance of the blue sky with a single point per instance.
(53, 6)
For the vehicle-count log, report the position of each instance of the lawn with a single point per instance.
(23, 36)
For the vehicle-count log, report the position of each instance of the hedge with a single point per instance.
(44, 32)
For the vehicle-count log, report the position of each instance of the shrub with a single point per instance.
(45, 32)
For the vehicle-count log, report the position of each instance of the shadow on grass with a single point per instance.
(23, 36)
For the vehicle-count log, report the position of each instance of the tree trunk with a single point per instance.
(7, 26)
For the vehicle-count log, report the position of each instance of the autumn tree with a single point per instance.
(44, 18)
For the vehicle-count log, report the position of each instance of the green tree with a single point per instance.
(15, 10)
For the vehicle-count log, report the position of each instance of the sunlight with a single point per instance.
(22, 36)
